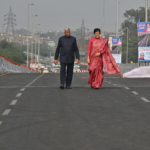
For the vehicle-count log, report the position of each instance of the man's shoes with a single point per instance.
(62, 86)
(68, 87)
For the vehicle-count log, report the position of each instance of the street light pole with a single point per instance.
(39, 51)
(21, 41)
(103, 17)
(146, 9)
(32, 41)
(28, 39)
(32, 45)
(50, 58)
(127, 46)
(35, 52)
(117, 18)
(35, 42)
(49, 54)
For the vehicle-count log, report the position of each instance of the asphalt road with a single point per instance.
(36, 115)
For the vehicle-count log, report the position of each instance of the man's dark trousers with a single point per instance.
(66, 73)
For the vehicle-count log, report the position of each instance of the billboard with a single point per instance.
(117, 58)
(117, 49)
(144, 54)
(117, 41)
(143, 28)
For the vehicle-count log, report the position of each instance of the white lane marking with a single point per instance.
(134, 92)
(114, 84)
(13, 102)
(19, 94)
(109, 82)
(34, 80)
(22, 89)
(6, 112)
(27, 86)
(127, 88)
(144, 99)
(1, 122)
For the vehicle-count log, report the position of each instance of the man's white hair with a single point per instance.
(66, 29)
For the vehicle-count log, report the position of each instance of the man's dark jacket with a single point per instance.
(67, 47)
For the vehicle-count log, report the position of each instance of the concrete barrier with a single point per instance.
(141, 72)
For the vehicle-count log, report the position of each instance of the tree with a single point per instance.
(12, 52)
(131, 18)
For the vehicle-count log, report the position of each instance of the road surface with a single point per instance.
(36, 115)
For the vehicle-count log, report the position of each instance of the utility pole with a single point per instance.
(103, 18)
(146, 10)
(117, 18)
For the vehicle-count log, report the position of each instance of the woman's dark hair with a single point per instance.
(97, 30)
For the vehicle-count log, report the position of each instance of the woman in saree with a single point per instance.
(98, 55)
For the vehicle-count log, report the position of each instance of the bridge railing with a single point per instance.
(8, 66)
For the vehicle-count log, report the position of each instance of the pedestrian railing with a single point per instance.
(8, 66)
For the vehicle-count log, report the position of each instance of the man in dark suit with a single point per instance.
(67, 47)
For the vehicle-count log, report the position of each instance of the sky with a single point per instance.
(58, 14)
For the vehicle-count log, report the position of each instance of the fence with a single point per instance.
(8, 66)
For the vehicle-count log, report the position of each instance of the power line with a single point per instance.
(83, 32)
(10, 24)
